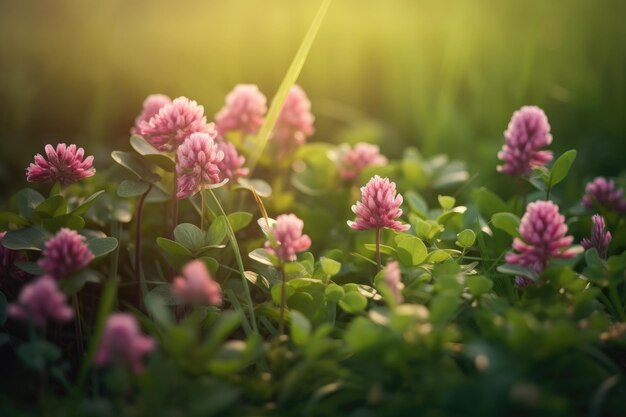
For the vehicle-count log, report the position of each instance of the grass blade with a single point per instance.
(288, 81)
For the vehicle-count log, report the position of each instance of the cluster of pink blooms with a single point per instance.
(244, 110)
(151, 106)
(600, 239)
(353, 161)
(197, 163)
(603, 192)
(231, 166)
(65, 164)
(64, 254)
(393, 280)
(527, 133)
(542, 237)
(379, 206)
(8, 258)
(174, 122)
(123, 344)
(295, 122)
(40, 302)
(196, 287)
(288, 237)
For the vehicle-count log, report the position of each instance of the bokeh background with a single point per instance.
(443, 75)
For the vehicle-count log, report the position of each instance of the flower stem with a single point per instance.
(138, 246)
(377, 249)
(283, 290)
(235, 246)
(107, 302)
(202, 204)
(174, 203)
(78, 326)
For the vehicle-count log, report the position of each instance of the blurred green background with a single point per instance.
(443, 75)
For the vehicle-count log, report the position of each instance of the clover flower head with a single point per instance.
(244, 110)
(288, 238)
(604, 193)
(63, 164)
(393, 280)
(600, 239)
(64, 254)
(231, 166)
(40, 302)
(123, 344)
(542, 238)
(197, 163)
(527, 133)
(151, 106)
(379, 206)
(174, 122)
(295, 122)
(196, 287)
(353, 161)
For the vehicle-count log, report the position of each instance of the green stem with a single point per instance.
(283, 90)
(202, 204)
(138, 246)
(174, 203)
(283, 290)
(235, 246)
(378, 249)
(107, 302)
(78, 327)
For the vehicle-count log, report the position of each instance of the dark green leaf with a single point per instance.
(53, 206)
(135, 164)
(27, 199)
(86, 205)
(387, 250)
(507, 222)
(102, 246)
(190, 236)
(173, 248)
(12, 218)
(446, 202)
(300, 328)
(466, 238)
(478, 284)
(262, 256)
(152, 154)
(29, 267)
(69, 221)
(77, 281)
(510, 269)
(411, 250)
(132, 188)
(31, 238)
(353, 302)
(561, 167)
(217, 231)
(239, 220)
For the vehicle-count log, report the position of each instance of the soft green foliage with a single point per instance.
(455, 335)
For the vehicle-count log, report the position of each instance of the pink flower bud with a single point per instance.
(379, 206)
(196, 286)
(528, 131)
(41, 301)
(65, 164)
(123, 344)
(287, 232)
